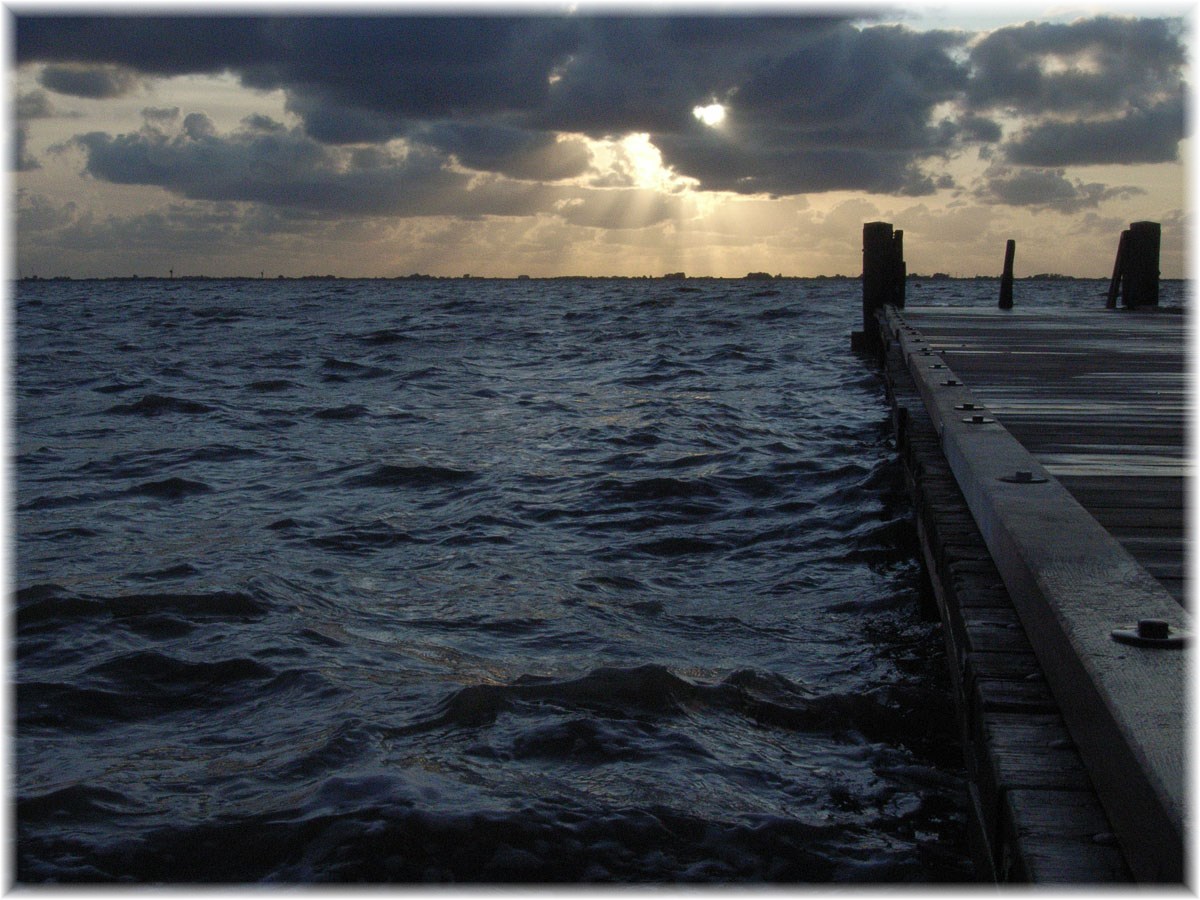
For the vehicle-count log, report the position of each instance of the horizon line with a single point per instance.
(676, 276)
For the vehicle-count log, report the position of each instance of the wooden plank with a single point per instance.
(1100, 399)
(993, 669)
(1058, 838)
(1072, 584)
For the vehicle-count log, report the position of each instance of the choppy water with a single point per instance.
(472, 581)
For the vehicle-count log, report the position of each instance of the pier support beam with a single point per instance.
(883, 277)
(1135, 272)
(1006, 280)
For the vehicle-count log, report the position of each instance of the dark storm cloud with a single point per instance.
(275, 168)
(152, 45)
(35, 213)
(1140, 136)
(33, 105)
(22, 160)
(89, 82)
(815, 103)
(1090, 66)
(286, 169)
(515, 152)
(1047, 189)
(647, 74)
(1099, 91)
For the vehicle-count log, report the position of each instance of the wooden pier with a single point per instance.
(1045, 452)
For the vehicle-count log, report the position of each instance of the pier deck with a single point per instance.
(1098, 398)
(1046, 454)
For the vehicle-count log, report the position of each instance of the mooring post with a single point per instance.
(880, 270)
(1141, 267)
(883, 278)
(876, 274)
(1114, 286)
(1006, 280)
(1135, 273)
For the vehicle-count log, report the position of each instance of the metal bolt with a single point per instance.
(966, 406)
(1023, 476)
(978, 420)
(952, 382)
(1151, 633)
(938, 366)
(1154, 629)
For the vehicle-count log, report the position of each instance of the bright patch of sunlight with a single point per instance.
(632, 162)
(711, 115)
(646, 162)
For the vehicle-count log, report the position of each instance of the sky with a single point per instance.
(567, 140)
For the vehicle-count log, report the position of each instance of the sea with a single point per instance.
(588, 581)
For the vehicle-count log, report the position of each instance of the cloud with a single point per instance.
(285, 169)
(1139, 136)
(517, 153)
(1097, 91)
(90, 82)
(1047, 189)
(158, 114)
(1098, 65)
(33, 105)
(37, 214)
(815, 103)
(21, 159)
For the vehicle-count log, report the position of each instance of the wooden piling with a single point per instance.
(1135, 272)
(883, 278)
(1006, 280)
(877, 270)
(899, 271)
(1141, 269)
(1114, 286)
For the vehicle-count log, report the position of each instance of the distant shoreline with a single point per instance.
(753, 276)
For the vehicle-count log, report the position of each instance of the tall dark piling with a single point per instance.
(1006, 280)
(1114, 286)
(883, 277)
(1141, 269)
(1135, 272)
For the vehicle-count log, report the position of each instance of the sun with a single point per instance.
(712, 115)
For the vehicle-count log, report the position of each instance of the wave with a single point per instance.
(656, 489)
(676, 546)
(765, 699)
(171, 489)
(50, 605)
(340, 370)
(270, 386)
(346, 413)
(158, 405)
(382, 841)
(118, 387)
(138, 685)
(384, 337)
(390, 475)
(77, 803)
(358, 539)
(170, 573)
